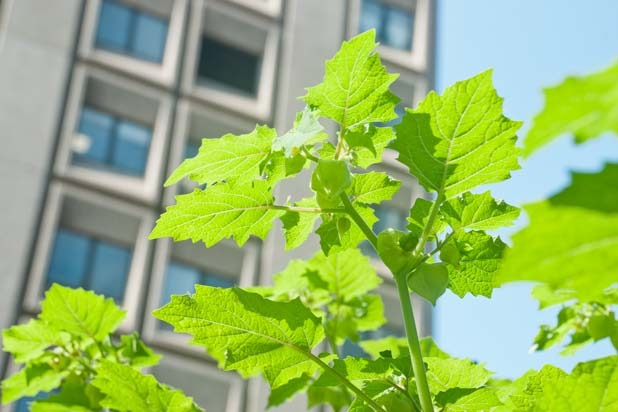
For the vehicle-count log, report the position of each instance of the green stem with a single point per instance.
(360, 222)
(413, 342)
(406, 308)
(435, 208)
(347, 383)
(309, 156)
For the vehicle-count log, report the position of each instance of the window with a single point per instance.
(110, 142)
(231, 58)
(228, 66)
(127, 30)
(79, 260)
(181, 278)
(394, 25)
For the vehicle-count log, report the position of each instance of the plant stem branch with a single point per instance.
(309, 156)
(433, 213)
(360, 222)
(347, 383)
(413, 342)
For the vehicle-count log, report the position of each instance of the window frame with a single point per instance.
(163, 73)
(45, 240)
(416, 59)
(162, 253)
(270, 8)
(144, 188)
(258, 107)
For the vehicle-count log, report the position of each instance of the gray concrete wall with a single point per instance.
(36, 43)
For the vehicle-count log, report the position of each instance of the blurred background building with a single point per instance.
(101, 99)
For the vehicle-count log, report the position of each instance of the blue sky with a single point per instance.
(530, 44)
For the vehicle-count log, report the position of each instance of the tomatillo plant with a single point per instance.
(451, 143)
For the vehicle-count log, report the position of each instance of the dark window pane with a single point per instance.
(98, 127)
(191, 149)
(124, 29)
(371, 17)
(131, 147)
(69, 260)
(23, 405)
(398, 29)
(114, 143)
(400, 110)
(149, 37)
(389, 218)
(114, 27)
(228, 66)
(218, 281)
(110, 267)
(393, 24)
(179, 280)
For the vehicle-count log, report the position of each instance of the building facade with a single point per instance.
(101, 99)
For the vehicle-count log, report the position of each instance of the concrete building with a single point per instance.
(101, 99)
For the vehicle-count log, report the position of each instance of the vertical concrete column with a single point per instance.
(36, 46)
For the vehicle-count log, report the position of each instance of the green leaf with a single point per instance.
(127, 390)
(349, 318)
(80, 312)
(227, 158)
(298, 226)
(218, 212)
(356, 370)
(330, 178)
(572, 238)
(334, 234)
(373, 187)
(479, 263)
(286, 391)
(385, 395)
(392, 254)
(29, 341)
(367, 144)
(429, 281)
(591, 387)
(348, 273)
(355, 89)
(136, 352)
(29, 381)
(74, 396)
(602, 326)
(430, 348)
(419, 216)
(244, 331)
(307, 130)
(549, 297)
(460, 140)
(478, 212)
(287, 382)
(483, 399)
(396, 346)
(41, 406)
(585, 106)
(445, 374)
(335, 396)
